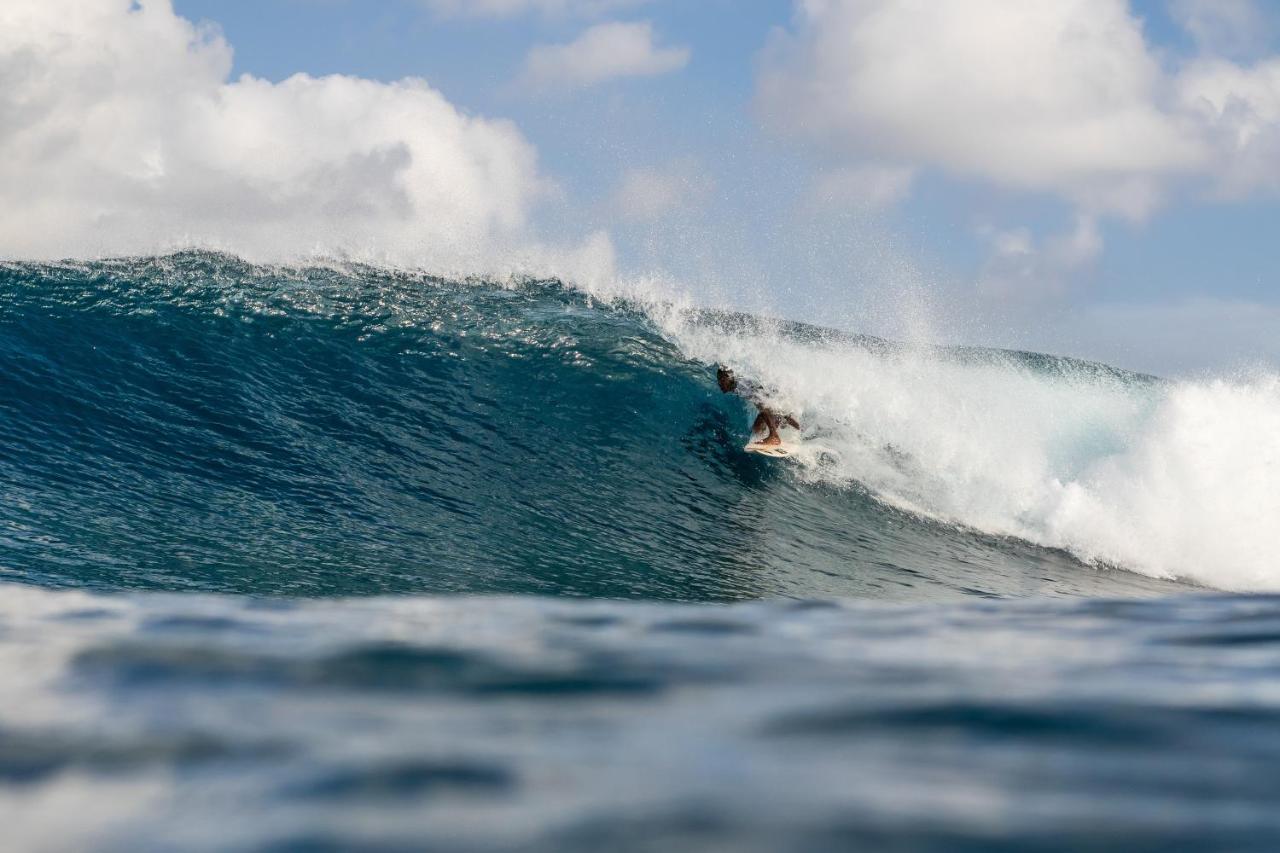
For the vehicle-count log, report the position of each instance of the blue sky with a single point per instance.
(1095, 182)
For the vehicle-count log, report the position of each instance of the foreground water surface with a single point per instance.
(151, 721)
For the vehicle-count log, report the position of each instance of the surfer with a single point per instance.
(768, 418)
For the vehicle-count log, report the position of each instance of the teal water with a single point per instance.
(195, 423)
(339, 558)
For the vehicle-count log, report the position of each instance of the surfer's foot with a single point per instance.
(773, 439)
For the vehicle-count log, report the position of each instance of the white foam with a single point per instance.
(1178, 479)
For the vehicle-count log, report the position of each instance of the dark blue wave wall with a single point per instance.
(194, 422)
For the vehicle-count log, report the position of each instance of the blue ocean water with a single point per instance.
(343, 558)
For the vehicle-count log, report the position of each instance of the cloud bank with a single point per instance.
(604, 52)
(1064, 100)
(1054, 97)
(121, 133)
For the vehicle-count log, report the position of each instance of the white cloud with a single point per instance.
(1054, 97)
(512, 8)
(1237, 109)
(120, 133)
(649, 194)
(604, 52)
(1062, 98)
(1065, 100)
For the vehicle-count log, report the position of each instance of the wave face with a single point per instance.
(196, 423)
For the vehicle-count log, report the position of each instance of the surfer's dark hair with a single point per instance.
(724, 376)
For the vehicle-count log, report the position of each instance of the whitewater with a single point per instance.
(1173, 479)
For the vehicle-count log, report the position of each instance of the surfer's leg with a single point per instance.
(771, 421)
(760, 423)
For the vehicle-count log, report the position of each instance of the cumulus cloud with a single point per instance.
(649, 194)
(604, 52)
(121, 132)
(512, 8)
(1057, 97)
(1065, 100)
(1237, 110)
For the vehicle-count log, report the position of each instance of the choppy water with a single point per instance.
(296, 558)
(192, 722)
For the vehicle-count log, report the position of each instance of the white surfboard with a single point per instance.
(778, 451)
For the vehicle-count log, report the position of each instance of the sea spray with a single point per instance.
(1175, 479)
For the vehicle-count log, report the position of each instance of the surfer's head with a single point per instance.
(725, 379)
